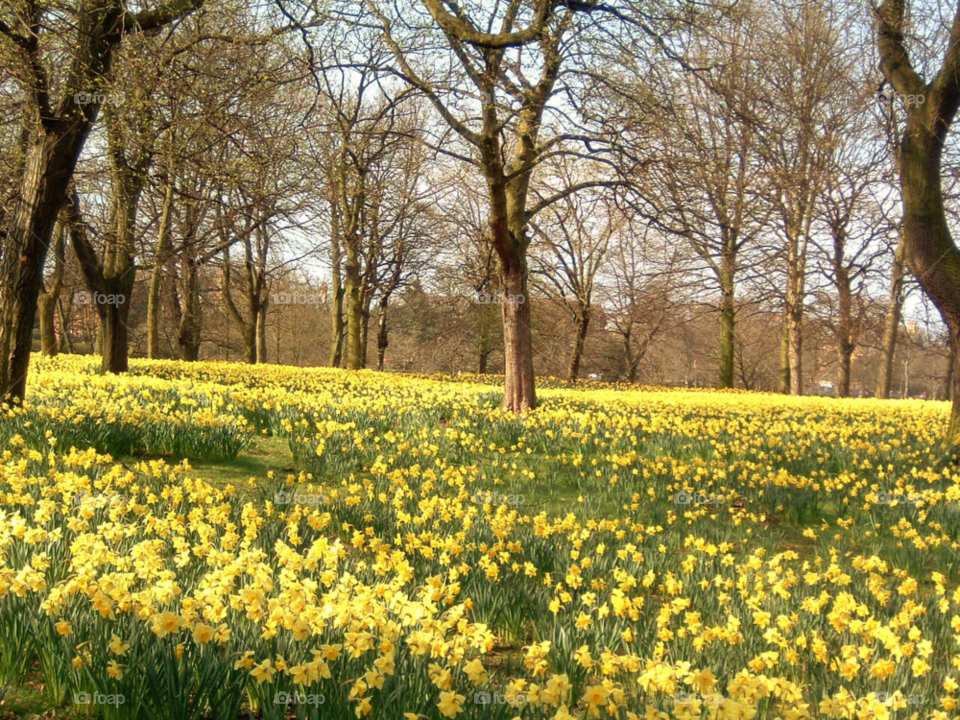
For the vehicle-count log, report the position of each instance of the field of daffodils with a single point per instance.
(619, 552)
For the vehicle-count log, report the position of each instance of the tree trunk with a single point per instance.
(248, 330)
(483, 355)
(66, 345)
(336, 323)
(508, 232)
(795, 344)
(111, 281)
(261, 330)
(582, 326)
(336, 289)
(116, 312)
(188, 333)
(728, 311)
(518, 392)
(109, 289)
(118, 271)
(891, 325)
(796, 354)
(383, 341)
(46, 311)
(50, 298)
(947, 393)
(249, 334)
(796, 282)
(48, 167)
(728, 319)
(785, 355)
(929, 250)
(153, 312)
(353, 359)
(364, 335)
(843, 369)
(845, 347)
(629, 361)
(161, 257)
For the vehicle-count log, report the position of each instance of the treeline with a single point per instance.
(680, 193)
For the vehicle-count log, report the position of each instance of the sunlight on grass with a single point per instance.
(396, 545)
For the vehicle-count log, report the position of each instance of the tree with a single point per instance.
(852, 210)
(467, 264)
(803, 82)
(59, 110)
(929, 250)
(357, 135)
(50, 296)
(575, 235)
(705, 182)
(132, 134)
(494, 94)
(643, 278)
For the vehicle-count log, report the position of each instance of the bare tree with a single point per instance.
(575, 235)
(803, 84)
(705, 184)
(853, 210)
(494, 95)
(639, 297)
(60, 108)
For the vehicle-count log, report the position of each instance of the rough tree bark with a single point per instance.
(336, 291)
(582, 327)
(188, 328)
(162, 257)
(353, 354)
(844, 329)
(728, 313)
(50, 299)
(891, 325)
(928, 247)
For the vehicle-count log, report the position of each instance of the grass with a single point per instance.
(796, 476)
(264, 454)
